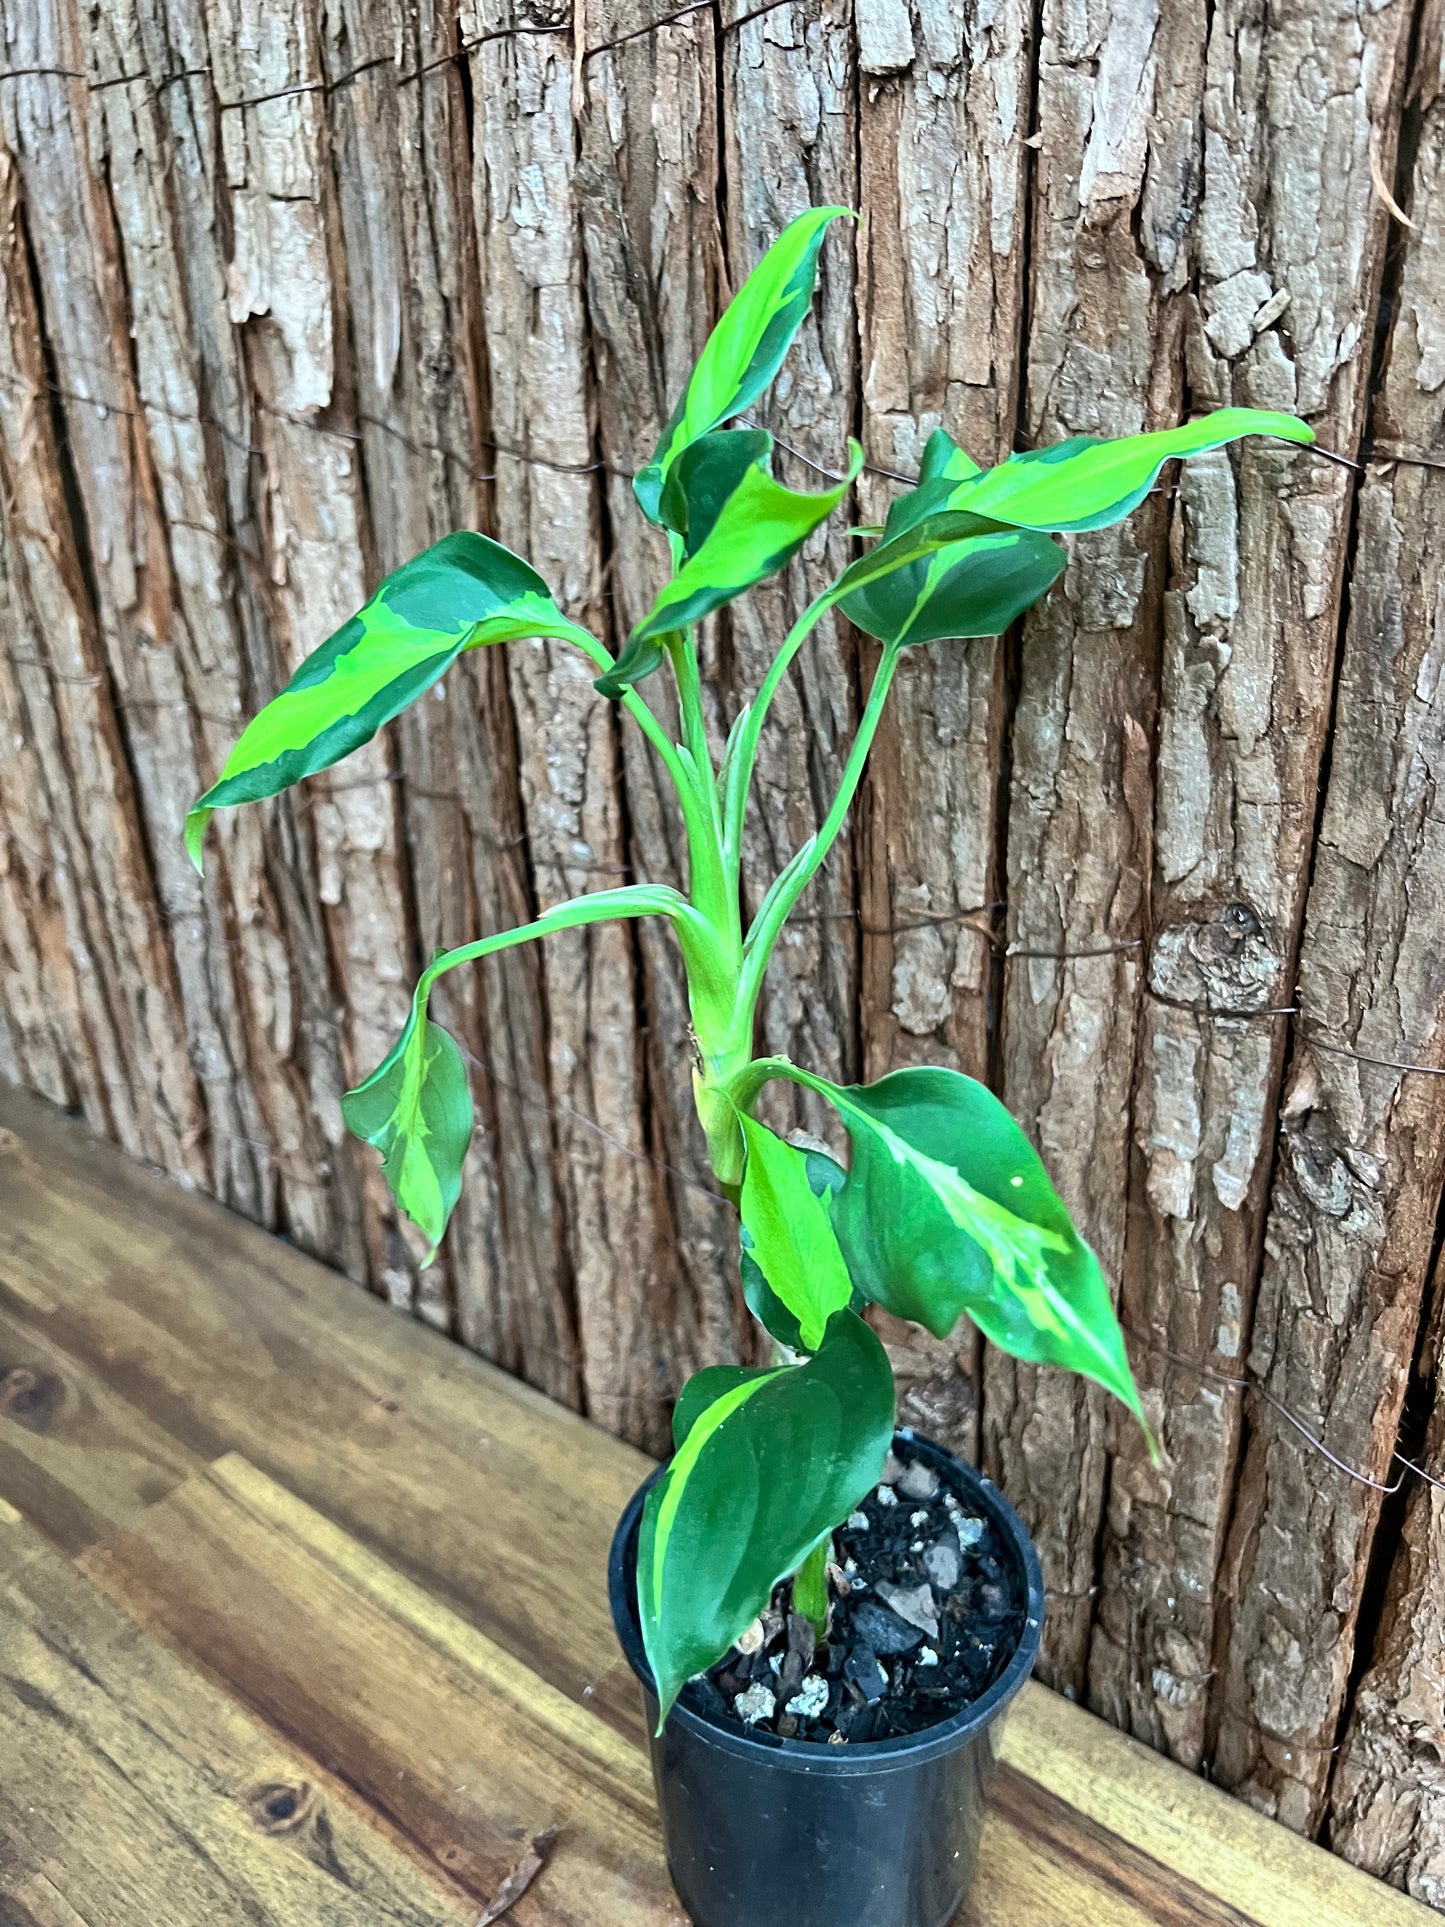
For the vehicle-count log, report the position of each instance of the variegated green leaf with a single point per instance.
(414, 1108)
(744, 351)
(764, 1473)
(417, 1111)
(947, 1209)
(465, 591)
(704, 1388)
(1087, 483)
(973, 587)
(825, 1177)
(742, 526)
(790, 1237)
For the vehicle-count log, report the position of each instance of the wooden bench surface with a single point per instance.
(303, 1621)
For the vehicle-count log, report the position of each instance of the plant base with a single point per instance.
(769, 1832)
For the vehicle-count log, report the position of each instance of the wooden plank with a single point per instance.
(548, 508)
(1243, 1861)
(75, 1453)
(408, 1548)
(460, 1746)
(941, 252)
(228, 1339)
(653, 249)
(135, 1791)
(1282, 315)
(789, 119)
(1380, 878)
(406, 220)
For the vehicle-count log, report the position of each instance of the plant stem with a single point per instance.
(810, 1587)
(765, 932)
(746, 751)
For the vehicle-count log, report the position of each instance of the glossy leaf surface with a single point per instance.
(705, 1387)
(765, 1472)
(465, 591)
(947, 1209)
(791, 1240)
(975, 587)
(744, 351)
(826, 1178)
(1087, 483)
(417, 1111)
(745, 527)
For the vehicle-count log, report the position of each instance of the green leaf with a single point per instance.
(706, 1386)
(739, 525)
(764, 1474)
(463, 592)
(640, 656)
(1087, 483)
(744, 351)
(947, 1210)
(791, 1240)
(416, 1110)
(975, 587)
(826, 1178)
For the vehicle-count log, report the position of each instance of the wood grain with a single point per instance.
(319, 1697)
(134, 1786)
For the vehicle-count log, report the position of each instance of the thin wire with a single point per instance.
(518, 31)
(1253, 1384)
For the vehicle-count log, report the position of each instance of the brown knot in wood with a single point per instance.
(283, 1806)
(31, 1397)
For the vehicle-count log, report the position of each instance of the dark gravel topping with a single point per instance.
(924, 1547)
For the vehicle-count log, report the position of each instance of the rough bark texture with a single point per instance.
(290, 291)
(1373, 1214)
(1290, 239)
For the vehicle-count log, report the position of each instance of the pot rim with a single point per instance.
(906, 1750)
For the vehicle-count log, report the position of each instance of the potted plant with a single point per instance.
(827, 1617)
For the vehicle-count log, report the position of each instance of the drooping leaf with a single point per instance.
(463, 592)
(640, 656)
(416, 1110)
(826, 1177)
(705, 1387)
(744, 351)
(1087, 483)
(947, 1210)
(415, 1107)
(745, 526)
(921, 582)
(790, 1236)
(764, 1473)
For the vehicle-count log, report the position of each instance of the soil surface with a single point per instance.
(927, 1609)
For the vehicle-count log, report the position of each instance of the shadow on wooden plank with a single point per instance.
(135, 1792)
(224, 1338)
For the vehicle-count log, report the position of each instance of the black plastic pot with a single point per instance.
(765, 1832)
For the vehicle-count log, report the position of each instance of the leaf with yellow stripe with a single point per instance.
(744, 351)
(947, 1210)
(765, 1471)
(463, 592)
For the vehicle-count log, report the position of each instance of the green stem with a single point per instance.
(810, 1587)
(746, 750)
(697, 798)
(765, 932)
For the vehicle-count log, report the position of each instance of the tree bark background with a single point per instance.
(291, 290)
